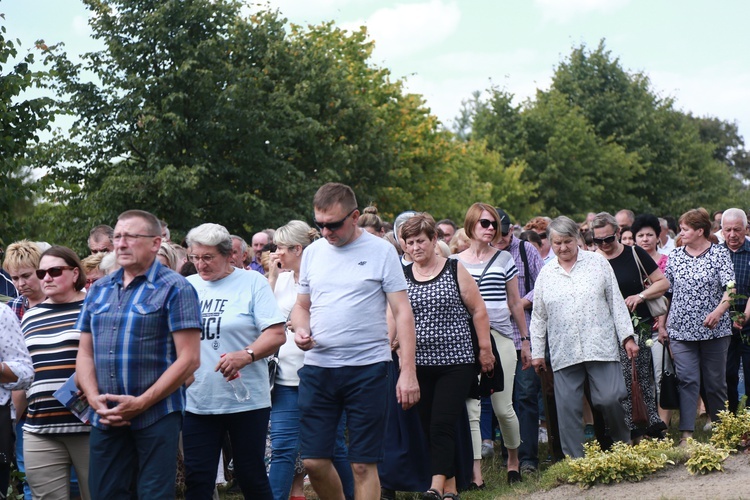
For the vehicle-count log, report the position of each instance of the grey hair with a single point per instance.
(604, 219)
(734, 214)
(243, 243)
(563, 226)
(211, 235)
(295, 232)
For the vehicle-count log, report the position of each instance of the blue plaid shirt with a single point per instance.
(741, 262)
(131, 330)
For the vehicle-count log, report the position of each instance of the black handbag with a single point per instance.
(669, 390)
(494, 380)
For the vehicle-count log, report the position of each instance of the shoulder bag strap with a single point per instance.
(489, 264)
(641, 269)
(525, 259)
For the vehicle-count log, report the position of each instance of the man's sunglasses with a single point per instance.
(332, 226)
(54, 272)
(487, 223)
(607, 239)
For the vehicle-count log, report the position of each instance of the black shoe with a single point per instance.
(514, 477)
(386, 494)
(476, 487)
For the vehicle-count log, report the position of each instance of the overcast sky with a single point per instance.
(694, 51)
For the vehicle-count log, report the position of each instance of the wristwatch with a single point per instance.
(251, 353)
(642, 297)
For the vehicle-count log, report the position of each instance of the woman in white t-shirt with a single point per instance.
(242, 325)
(286, 473)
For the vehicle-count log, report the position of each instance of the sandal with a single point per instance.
(451, 496)
(432, 494)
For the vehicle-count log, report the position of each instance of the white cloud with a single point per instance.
(408, 29)
(80, 26)
(718, 91)
(444, 97)
(562, 11)
(307, 11)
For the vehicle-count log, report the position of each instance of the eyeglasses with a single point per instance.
(95, 251)
(607, 239)
(130, 238)
(332, 226)
(505, 233)
(485, 223)
(542, 235)
(207, 259)
(54, 272)
(91, 281)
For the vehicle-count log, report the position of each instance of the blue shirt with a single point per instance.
(741, 261)
(131, 330)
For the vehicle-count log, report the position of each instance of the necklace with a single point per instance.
(429, 275)
(480, 259)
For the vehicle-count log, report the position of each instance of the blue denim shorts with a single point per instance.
(365, 393)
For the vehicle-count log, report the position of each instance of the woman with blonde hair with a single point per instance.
(459, 242)
(286, 474)
(371, 222)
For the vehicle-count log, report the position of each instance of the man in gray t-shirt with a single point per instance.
(340, 321)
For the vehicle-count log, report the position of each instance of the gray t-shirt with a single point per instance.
(347, 287)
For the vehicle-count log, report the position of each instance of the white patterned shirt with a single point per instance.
(13, 353)
(581, 314)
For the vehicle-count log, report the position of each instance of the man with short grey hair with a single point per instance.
(239, 252)
(733, 224)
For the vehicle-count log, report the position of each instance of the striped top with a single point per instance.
(49, 330)
(493, 289)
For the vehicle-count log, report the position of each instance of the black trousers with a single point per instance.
(443, 393)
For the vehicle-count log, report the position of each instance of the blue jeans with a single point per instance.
(202, 437)
(285, 444)
(117, 453)
(526, 402)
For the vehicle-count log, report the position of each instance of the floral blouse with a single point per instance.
(581, 314)
(13, 353)
(697, 286)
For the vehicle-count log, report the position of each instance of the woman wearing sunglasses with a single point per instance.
(630, 280)
(496, 274)
(53, 437)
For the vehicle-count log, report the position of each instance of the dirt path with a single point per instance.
(671, 483)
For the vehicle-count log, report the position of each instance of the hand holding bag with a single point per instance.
(658, 306)
(639, 412)
(669, 392)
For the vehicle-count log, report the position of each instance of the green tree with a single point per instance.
(21, 121)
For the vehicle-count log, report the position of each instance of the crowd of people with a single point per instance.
(369, 357)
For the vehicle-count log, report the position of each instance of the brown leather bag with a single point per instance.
(639, 412)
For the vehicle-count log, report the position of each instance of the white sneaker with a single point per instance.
(488, 450)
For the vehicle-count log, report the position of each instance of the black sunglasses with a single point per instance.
(332, 226)
(487, 223)
(54, 272)
(607, 239)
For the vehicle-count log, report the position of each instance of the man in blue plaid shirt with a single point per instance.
(140, 343)
(733, 224)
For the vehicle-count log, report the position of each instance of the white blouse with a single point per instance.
(13, 353)
(581, 314)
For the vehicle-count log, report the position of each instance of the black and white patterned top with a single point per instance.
(442, 321)
(697, 286)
